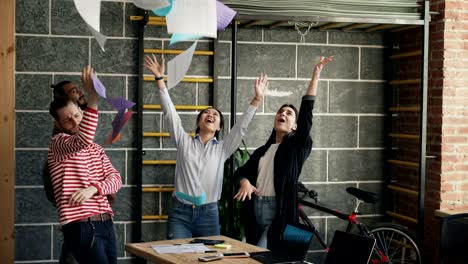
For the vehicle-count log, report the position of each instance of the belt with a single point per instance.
(97, 217)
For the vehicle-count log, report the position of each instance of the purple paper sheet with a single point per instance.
(120, 103)
(98, 86)
(224, 15)
(119, 122)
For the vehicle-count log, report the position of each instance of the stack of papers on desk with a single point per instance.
(180, 248)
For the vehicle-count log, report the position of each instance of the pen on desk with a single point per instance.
(210, 251)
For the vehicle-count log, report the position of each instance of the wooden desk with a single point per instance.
(446, 212)
(145, 251)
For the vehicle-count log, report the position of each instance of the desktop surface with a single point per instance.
(145, 251)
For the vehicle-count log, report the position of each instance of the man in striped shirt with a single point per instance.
(82, 175)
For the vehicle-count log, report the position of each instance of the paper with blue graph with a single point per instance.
(193, 17)
(151, 4)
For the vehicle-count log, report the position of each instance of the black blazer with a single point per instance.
(288, 162)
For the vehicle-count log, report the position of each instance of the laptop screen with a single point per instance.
(349, 248)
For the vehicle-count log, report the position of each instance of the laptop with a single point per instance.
(298, 237)
(350, 249)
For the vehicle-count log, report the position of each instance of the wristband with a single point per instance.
(158, 78)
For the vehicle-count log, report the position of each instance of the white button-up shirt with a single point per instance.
(199, 167)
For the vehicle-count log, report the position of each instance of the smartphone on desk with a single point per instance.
(210, 242)
(210, 257)
(236, 255)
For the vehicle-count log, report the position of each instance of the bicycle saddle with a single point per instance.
(367, 197)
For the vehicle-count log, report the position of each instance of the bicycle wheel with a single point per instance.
(394, 244)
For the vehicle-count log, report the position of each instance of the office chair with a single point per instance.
(454, 239)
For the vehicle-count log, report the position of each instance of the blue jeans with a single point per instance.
(91, 241)
(187, 221)
(265, 211)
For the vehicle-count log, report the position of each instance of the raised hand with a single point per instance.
(88, 85)
(261, 85)
(86, 79)
(323, 61)
(313, 86)
(151, 63)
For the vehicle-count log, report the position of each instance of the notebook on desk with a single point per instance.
(297, 242)
(350, 249)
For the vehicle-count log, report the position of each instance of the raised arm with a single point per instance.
(312, 90)
(233, 139)
(65, 144)
(304, 120)
(168, 108)
(88, 85)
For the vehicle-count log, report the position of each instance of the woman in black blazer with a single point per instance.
(269, 178)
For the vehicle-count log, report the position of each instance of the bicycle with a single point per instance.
(394, 243)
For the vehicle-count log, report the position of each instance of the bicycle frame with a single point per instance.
(352, 221)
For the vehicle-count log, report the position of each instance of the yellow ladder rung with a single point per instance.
(190, 79)
(156, 134)
(405, 109)
(401, 82)
(156, 23)
(403, 190)
(161, 134)
(403, 163)
(154, 217)
(403, 28)
(406, 54)
(159, 162)
(158, 189)
(404, 217)
(197, 52)
(150, 18)
(406, 136)
(178, 107)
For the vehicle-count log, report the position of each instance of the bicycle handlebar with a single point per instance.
(306, 192)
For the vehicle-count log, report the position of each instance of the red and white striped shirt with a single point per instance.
(76, 162)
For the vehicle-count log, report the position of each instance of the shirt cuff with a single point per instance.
(97, 187)
(91, 110)
(308, 97)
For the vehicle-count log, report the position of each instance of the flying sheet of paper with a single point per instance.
(151, 4)
(90, 11)
(163, 11)
(98, 86)
(193, 17)
(178, 66)
(119, 121)
(120, 103)
(224, 15)
(177, 37)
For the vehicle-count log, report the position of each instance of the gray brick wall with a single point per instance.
(53, 44)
